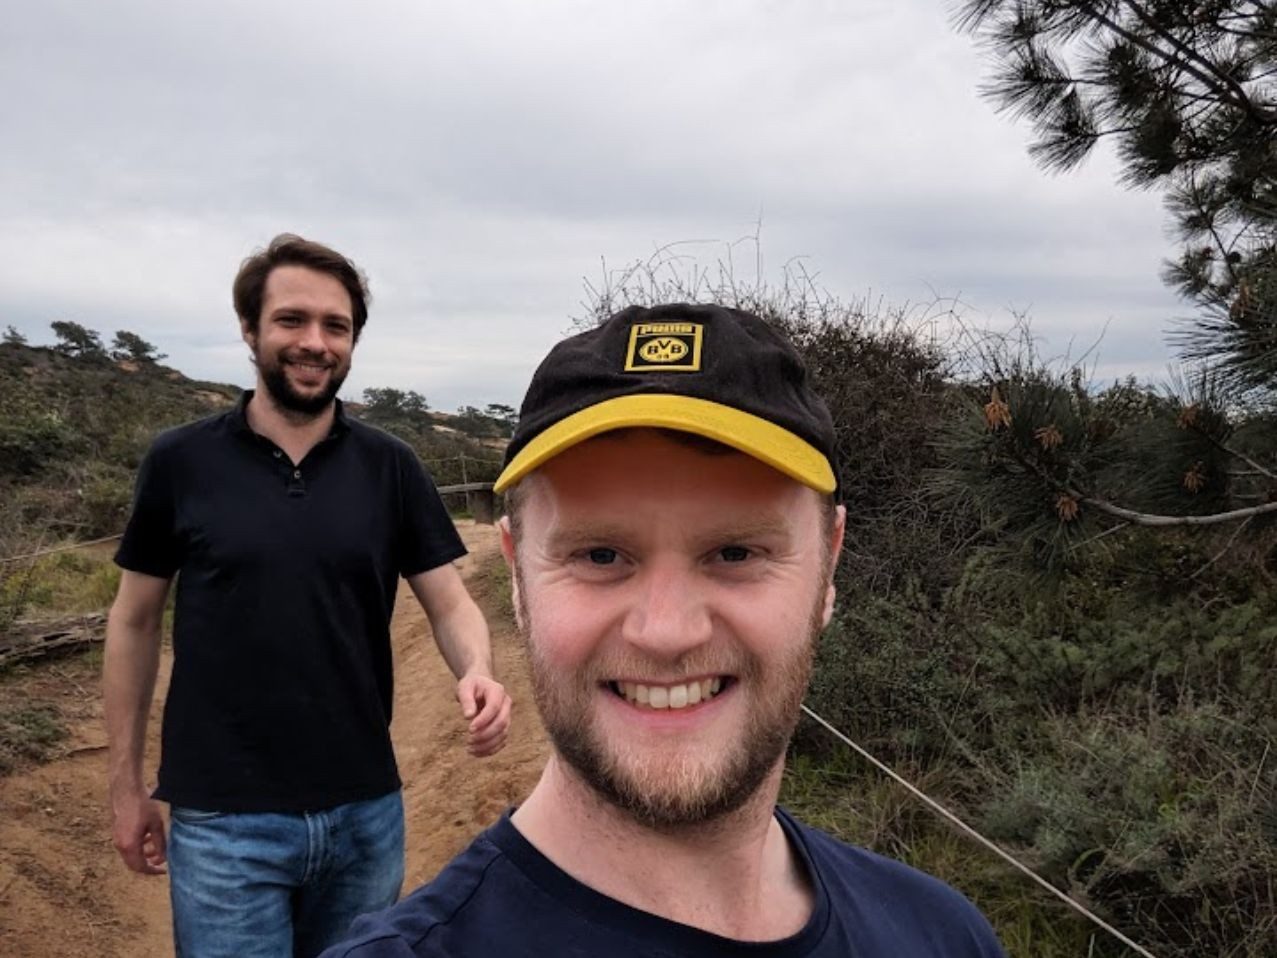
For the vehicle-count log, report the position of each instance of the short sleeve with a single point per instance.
(427, 537)
(150, 544)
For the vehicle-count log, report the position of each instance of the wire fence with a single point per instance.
(970, 832)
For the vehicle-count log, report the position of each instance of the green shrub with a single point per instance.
(28, 733)
(1158, 819)
(1121, 745)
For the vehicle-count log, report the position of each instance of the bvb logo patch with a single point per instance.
(664, 347)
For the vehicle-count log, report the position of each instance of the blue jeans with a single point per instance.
(270, 885)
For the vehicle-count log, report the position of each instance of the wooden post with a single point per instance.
(483, 506)
(480, 499)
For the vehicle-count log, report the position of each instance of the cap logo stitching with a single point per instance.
(664, 347)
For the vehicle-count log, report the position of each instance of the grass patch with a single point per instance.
(29, 734)
(69, 582)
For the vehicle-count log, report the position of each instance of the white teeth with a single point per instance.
(670, 696)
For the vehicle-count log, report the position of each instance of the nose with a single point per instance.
(312, 338)
(669, 615)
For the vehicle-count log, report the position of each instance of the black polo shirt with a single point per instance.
(281, 691)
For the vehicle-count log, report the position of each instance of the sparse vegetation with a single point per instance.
(28, 734)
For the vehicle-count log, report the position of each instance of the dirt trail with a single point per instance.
(64, 891)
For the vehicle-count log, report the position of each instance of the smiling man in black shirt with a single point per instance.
(287, 525)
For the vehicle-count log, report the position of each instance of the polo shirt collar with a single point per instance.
(239, 417)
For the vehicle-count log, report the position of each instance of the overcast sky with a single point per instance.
(482, 160)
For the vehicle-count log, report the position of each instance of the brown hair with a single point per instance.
(288, 249)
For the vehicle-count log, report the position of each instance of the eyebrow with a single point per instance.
(302, 311)
(572, 535)
(751, 528)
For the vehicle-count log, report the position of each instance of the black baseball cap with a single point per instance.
(721, 373)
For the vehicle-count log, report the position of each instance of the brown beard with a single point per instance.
(276, 382)
(692, 789)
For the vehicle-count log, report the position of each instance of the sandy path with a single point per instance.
(63, 890)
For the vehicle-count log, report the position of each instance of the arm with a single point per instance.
(462, 637)
(129, 666)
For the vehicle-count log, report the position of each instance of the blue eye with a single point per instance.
(733, 553)
(602, 556)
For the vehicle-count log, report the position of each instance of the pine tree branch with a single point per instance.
(1157, 521)
(1234, 93)
(1223, 447)
(1194, 57)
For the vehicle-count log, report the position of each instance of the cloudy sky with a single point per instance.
(484, 161)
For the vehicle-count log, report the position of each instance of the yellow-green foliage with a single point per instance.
(77, 581)
(67, 582)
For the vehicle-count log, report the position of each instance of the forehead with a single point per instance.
(646, 478)
(291, 284)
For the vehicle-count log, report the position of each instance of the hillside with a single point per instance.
(74, 428)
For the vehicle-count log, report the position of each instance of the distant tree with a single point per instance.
(414, 404)
(76, 340)
(13, 337)
(505, 416)
(128, 345)
(474, 422)
(387, 404)
(1188, 93)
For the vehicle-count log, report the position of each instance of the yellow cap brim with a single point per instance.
(764, 440)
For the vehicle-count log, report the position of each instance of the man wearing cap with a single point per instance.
(672, 533)
(287, 525)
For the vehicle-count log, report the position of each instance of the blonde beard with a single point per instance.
(660, 789)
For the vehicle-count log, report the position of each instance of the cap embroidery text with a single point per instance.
(667, 347)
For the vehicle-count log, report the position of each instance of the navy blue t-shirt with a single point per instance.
(281, 690)
(501, 897)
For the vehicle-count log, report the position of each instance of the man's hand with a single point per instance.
(137, 830)
(485, 703)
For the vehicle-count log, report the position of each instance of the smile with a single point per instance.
(312, 367)
(669, 696)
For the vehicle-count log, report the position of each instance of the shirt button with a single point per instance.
(277, 454)
(297, 473)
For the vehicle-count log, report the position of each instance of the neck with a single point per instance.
(735, 876)
(296, 433)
